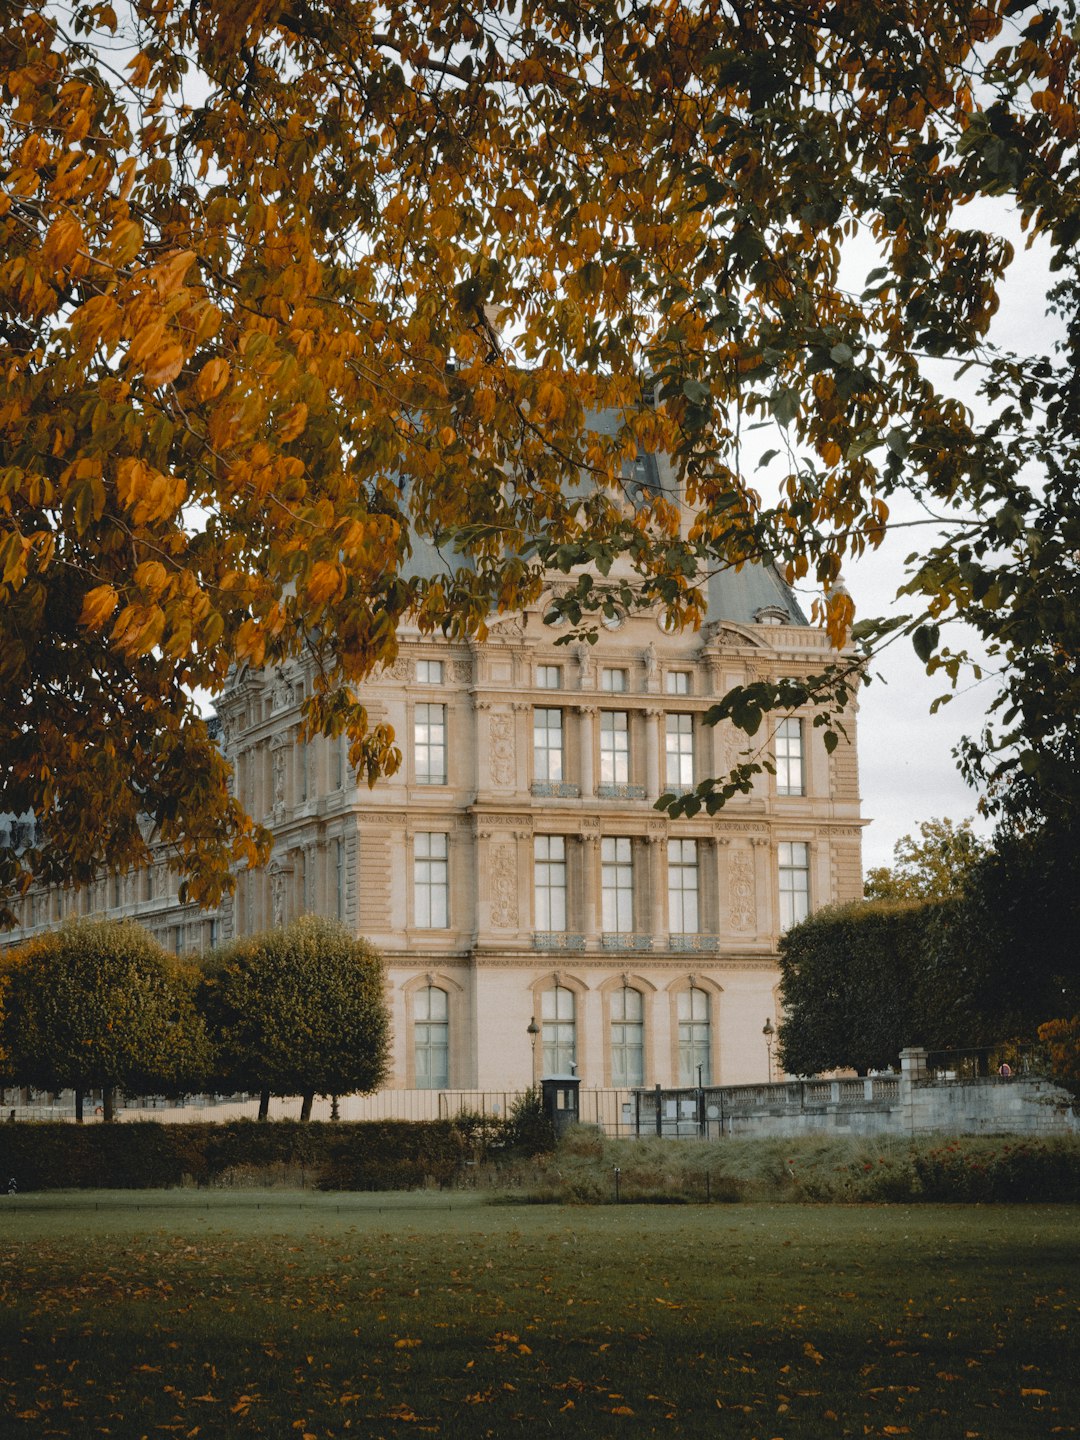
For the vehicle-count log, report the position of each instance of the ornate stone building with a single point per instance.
(515, 868)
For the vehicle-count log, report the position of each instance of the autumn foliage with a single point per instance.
(287, 291)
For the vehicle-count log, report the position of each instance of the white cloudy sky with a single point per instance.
(907, 769)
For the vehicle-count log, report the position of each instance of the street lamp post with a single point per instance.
(768, 1031)
(533, 1030)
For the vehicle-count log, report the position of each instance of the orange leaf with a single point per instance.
(98, 605)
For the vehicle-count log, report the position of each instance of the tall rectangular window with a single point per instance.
(559, 1030)
(339, 745)
(429, 744)
(682, 859)
(549, 880)
(794, 882)
(301, 755)
(339, 879)
(429, 672)
(679, 741)
(547, 744)
(431, 881)
(695, 1037)
(549, 677)
(431, 1038)
(790, 779)
(617, 883)
(677, 682)
(627, 1038)
(614, 680)
(614, 747)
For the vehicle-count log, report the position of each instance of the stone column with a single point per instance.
(587, 714)
(590, 887)
(654, 779)
(656, 850)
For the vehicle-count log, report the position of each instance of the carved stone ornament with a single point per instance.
(462, 671)
(502, 868)
(279, 761)
(401, 669)
(279, 887)
(282, 696)
(742, 907)
(584, 656)
(501, 748)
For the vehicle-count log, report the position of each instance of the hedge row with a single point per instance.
(386, 1155)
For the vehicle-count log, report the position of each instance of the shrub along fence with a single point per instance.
(388, 1155)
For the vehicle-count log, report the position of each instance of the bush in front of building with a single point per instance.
(298, 1011)
(98, 1004)
(381, 1155)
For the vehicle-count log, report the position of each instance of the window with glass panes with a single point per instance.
(617, 883)
(789, 758)
(627, 1038)
(682, 861)
(429, 672)
(794, 858)
(558, 1030)
(547, 744)
(548, 677)
(677, 682)
(614, 679)
(614, 747)
(549, 878)
(431, 1038)
(680, 751)
(429, 744)
(339, 879)
(695, 1023)
(431, 881)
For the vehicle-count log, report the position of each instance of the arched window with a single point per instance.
(431, 1038)
(695, 1048)
(627, 1038)
(559, 1030)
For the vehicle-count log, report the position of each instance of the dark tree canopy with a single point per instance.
(100, 1005)
(993, 963)
(298, 1011)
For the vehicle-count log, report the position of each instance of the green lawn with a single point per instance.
(287, 1314)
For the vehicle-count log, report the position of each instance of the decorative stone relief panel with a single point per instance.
(742, 906)
(501, 749)
(502, 868)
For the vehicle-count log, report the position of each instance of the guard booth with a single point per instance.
(559, 1095)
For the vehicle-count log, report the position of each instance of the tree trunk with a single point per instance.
(305, 1108)
(108, 1103)
(334, 1108)
(264, 1104)
(79, 1097)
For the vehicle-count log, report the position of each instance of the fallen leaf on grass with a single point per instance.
(407, 1344)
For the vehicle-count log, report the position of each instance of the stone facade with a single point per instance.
(514, 869)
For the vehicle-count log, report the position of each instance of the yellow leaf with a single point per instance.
(165, 366)
(152, 577)
(407, 1344)
(324, 581)
(98, 605)
(292, 423)
(213, 377)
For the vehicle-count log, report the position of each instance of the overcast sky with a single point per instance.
(906, 765)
